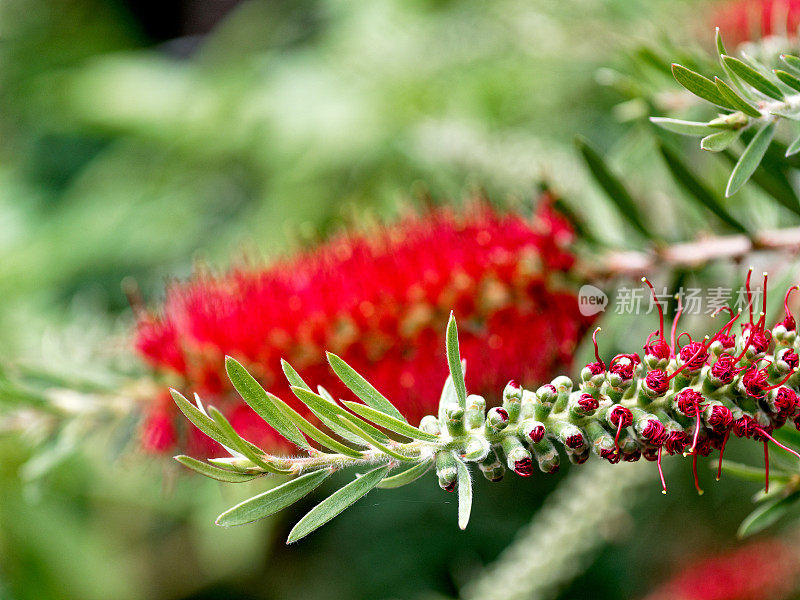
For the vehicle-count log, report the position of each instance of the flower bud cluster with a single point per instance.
(675, 399)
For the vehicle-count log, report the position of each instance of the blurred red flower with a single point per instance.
(380, 300)
(766, 569)
(744, 20)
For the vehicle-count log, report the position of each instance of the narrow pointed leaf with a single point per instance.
(373, 442)
(454, 361)
(718, 40)
(273, 500)
(717, 142)
(390, 423)
(693, 128)
(697, 189)
(240, 445)
(700, 86)
(313, 432)
(750, 159)
(331, 413)
(767, 514)
(753, 78)
(791, 61)
(448, 396)
(613, 187)
(408, 476)
(362, 388)
(337, 502)
(733, 77)
(203, 422)
(793, 148)
(464, 494)
(736, 101)
(742, 471)
(788, 79)
(215, 472)
(256, 397)
(292, 376)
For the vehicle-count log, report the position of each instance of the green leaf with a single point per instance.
(362, 388)
(793, 148)
(791, 61)
(736, 101)
(766, 515)
(464, 494)
(240, 445)
(750, 159)
(613, 187)
(322, 438)
(718, 40)
(256, 397)
(697, 189)
(383, 420)
(337, 502)
(448, 395)
(293, 377)
(736, 81)
(741, 471)
(215, 472)
(202, 421)
(408, 476)
(330, 413)
(273, 500)
(373, 442)
(788, 79)
(752, 77)
(717, 142)
(700, 86)
(693, 128)
(454, 361)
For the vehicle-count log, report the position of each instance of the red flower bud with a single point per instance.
(694, 355)
(657, 381)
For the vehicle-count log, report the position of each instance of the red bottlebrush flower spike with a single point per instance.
(386, 299)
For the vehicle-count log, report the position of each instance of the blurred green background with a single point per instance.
(139, 138)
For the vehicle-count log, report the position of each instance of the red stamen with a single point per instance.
(596, 351)
(766, 467)
(785, 379)
(660, 472)
(749, 295)
(776, 442)
(675, 323)
(619, 431)
(721, 452)
(660, 309)
(694, 471)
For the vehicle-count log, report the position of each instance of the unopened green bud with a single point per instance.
(430, 424)
(476, 410)
(547, 456)
(477, 448)
(454, 416)
(491, 467)
(446, 470)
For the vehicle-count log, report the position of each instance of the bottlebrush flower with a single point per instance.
(744, 19)
(379, 300)
(766, 569)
